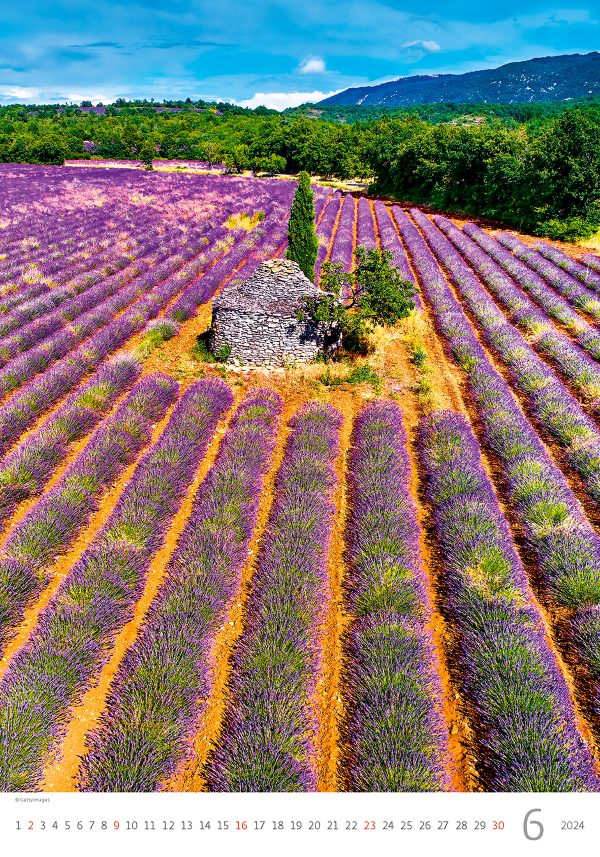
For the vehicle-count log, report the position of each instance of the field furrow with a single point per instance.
(376, 571)
(163, 686)
(97, 596)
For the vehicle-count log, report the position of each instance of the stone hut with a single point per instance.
(257, 318)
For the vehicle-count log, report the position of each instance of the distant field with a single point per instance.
(373, 575)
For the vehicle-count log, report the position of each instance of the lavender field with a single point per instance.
(305, 578)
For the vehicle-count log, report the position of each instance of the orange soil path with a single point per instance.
(376, 227)
(61, 774)
(327, 703)
(73, 452)
(334, 229)
(446, 395)
(60, 569)
(191, 774)
(454, 378)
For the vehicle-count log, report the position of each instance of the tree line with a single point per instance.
(531, 167)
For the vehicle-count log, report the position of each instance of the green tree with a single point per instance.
(564, 170)
(270, 165)
(381, 293)
(147, 154)
(47, 150)
(302, 237)
(238, 159)
(376, 294)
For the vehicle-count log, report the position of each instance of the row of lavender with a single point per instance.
(558, 533)
(394, 727)
(73, 635)
(38, 309)
(265, 746)
(525, 737)
(158, 288)
(553, 406)
(44, 254)
(581, 370)
(147, 728)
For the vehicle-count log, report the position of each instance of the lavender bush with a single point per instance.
(24, 472)
(165, 678)
(553, 405)
(576, 293)
(580, 369)
(365, 227)
(53, 522)
(265, 744)
(523, 721)
(74, 633)
(394, 730)
(583, 273)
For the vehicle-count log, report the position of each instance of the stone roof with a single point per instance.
(276, 288)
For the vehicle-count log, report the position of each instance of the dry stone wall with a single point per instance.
(257, 319)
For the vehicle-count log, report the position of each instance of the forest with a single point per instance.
(535, 167)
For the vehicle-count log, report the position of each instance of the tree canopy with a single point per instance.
(351, 303)
(535, 167)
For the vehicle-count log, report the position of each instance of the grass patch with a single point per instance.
(156, 333)
(201, 353)
(243, 220)
(362, 374)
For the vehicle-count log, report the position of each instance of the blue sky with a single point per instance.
(277, 53)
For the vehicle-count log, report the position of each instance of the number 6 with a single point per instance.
(527, 823)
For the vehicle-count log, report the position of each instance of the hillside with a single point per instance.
(543, 79)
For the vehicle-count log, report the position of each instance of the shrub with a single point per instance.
(378, 294)
(419, 355)
(201, 351)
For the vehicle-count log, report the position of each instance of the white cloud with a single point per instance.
(426, 44)
(281, 100)
(312, 65)
(89, 95)
(18, 92)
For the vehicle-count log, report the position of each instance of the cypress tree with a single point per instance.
(302, 238)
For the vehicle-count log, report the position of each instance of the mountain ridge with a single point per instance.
(554, 78)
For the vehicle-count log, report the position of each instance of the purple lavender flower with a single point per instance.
(52, 523)
(75, 631)
(165, 678)
(526, 738)
(394, 731)
(265, 743)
